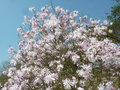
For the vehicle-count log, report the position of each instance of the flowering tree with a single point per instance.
(61, 51)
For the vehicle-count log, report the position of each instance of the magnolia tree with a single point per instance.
(61, 51)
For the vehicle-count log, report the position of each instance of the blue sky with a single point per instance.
(12, 12)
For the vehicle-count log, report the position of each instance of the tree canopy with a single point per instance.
(59, 50)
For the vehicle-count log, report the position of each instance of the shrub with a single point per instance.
(61, 51)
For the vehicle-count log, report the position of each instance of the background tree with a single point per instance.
(114, 17)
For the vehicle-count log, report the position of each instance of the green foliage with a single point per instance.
(3, 78)
(115, 18)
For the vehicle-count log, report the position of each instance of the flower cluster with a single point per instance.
(59, 50)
